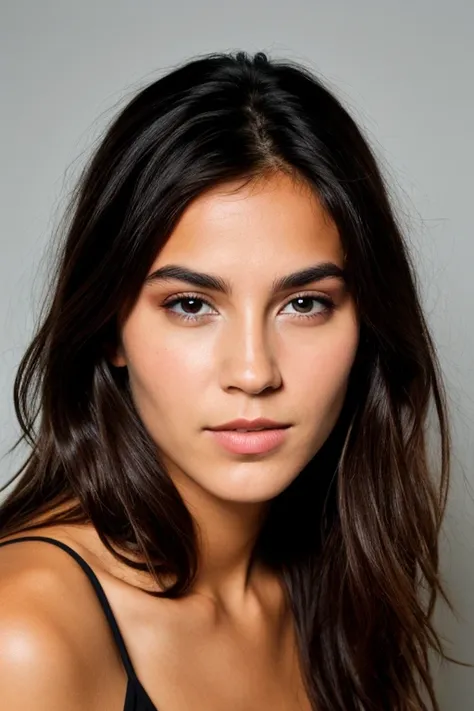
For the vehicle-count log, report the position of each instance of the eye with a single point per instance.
(191, 307)
(305, 304)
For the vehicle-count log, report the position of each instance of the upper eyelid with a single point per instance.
(197, 295)
(193, 295)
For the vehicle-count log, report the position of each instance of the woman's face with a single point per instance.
(202, 354)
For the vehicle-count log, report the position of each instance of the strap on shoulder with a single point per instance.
(99, 592)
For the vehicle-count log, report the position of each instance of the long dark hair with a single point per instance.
(355, 536)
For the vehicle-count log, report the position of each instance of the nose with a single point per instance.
(248, 361)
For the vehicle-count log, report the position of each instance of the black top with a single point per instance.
(136, 698)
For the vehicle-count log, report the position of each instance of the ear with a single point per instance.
(115, 355)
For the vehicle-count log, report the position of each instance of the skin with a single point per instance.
(231, 642)
(248, 354)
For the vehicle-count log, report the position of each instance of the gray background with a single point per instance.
(404, 69)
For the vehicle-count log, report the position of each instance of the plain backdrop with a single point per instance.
(405, 70)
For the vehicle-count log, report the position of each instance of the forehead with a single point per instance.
(273, 221)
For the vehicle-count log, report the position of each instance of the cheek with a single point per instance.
(165, 376)
(321, 382)
(320, 373)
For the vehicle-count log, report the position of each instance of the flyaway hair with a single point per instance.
(355, 536)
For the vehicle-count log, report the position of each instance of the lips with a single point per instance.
(250, 442)
(243, 425)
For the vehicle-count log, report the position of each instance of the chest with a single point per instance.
(183, 667)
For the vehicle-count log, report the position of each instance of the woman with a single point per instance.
(232, 264)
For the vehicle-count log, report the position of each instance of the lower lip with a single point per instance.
(250, 442)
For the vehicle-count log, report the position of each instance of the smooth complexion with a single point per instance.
(251, 342)
(200, 353)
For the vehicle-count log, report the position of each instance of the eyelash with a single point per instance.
(326, 301)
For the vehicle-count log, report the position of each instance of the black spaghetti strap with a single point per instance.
(100, 594)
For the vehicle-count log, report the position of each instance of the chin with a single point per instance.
(249, 490)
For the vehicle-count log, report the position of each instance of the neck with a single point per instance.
(227, 533)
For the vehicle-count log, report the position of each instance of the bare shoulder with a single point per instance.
(38, 667)
(55, 652)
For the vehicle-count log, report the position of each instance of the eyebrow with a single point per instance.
(296, 280)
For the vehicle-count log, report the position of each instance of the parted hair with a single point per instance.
(354, 538)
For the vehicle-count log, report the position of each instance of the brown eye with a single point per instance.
(188, 307)
(191, 306)
(304, 306)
